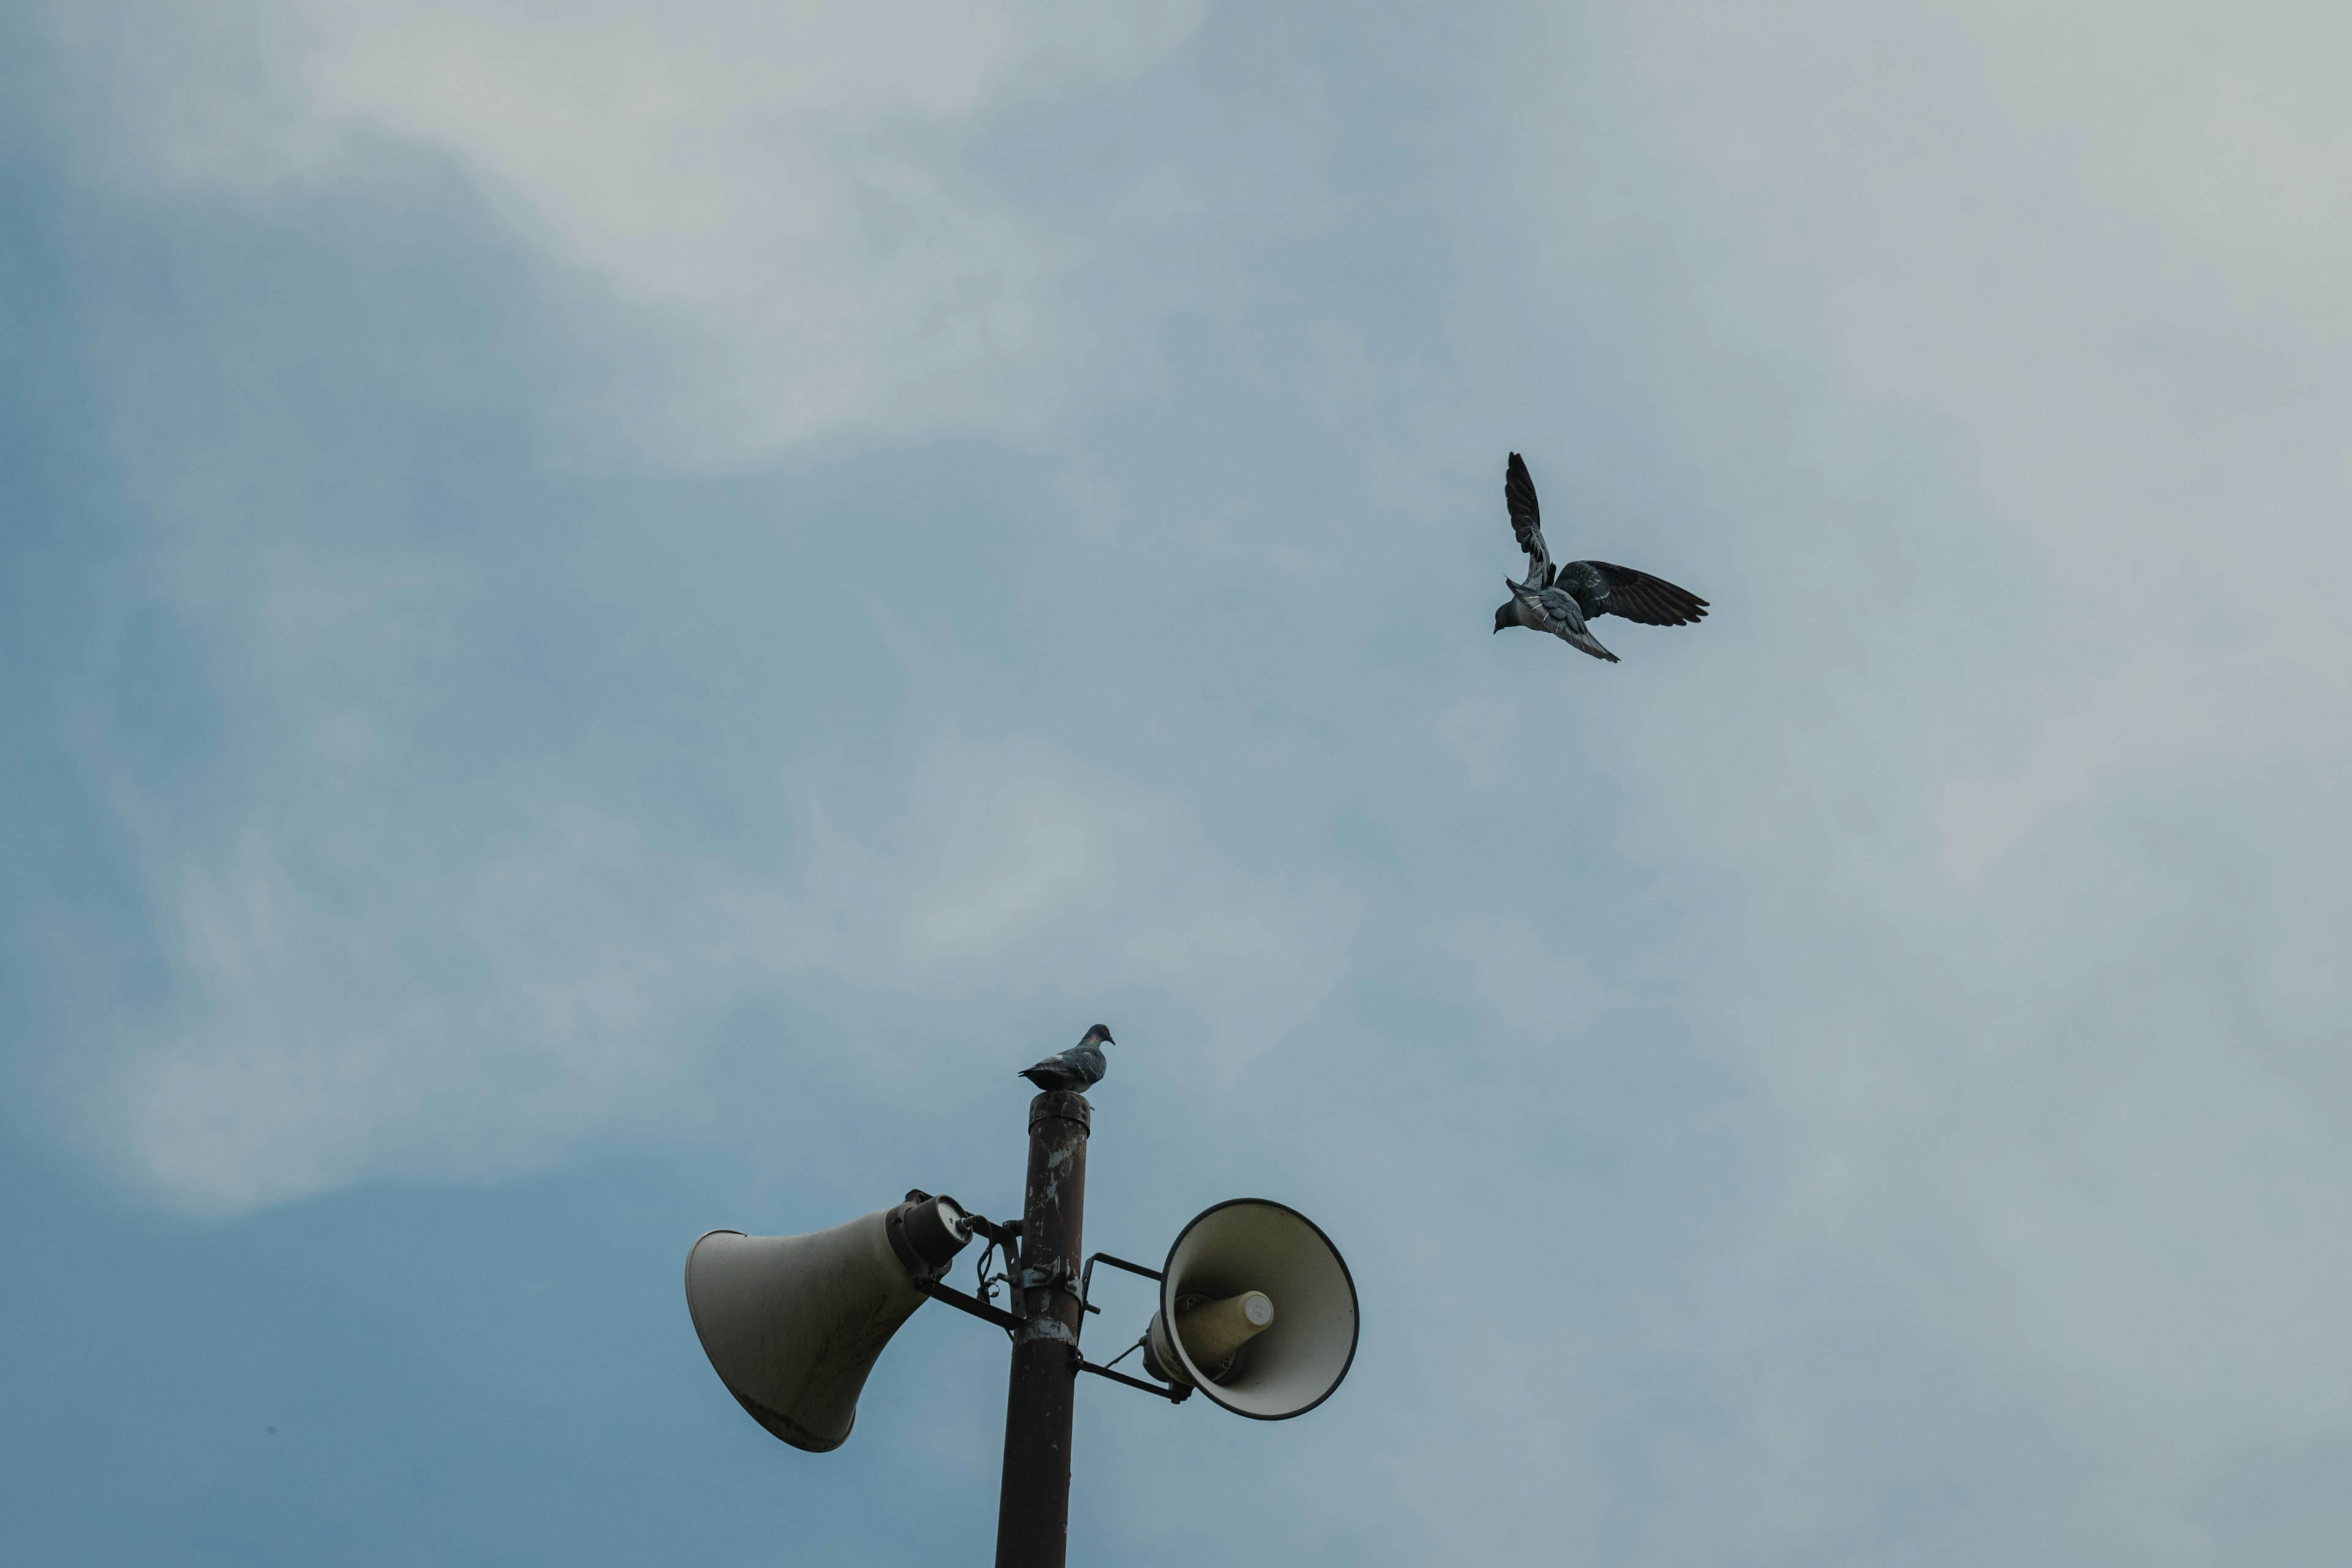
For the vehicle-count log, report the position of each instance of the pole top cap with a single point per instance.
(1067, 1104)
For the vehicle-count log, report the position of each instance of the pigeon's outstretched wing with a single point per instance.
(1653, 601)
(1527, 522)
(1561, 617)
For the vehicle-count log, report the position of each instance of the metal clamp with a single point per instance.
(1057, 1278)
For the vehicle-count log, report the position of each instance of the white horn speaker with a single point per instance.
(1261, 1308)
(792, 1324)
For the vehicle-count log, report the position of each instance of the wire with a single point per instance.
(983, 1283)
(983, 1290)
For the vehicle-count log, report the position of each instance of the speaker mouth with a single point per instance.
(792, 1324)
(1247, 1246)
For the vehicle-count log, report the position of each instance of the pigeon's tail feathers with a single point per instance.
(1553, 610)
(1567, 625)
(1591, 644)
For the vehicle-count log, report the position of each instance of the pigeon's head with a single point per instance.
(1099, 1036)
(1503, 615)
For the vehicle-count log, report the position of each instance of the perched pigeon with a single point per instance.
(1080, 1067)
(1561, 599)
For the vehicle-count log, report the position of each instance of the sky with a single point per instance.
(612, 613)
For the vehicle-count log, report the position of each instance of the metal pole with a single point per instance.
(1033, 1513)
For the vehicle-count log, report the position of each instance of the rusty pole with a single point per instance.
(1033, 1513)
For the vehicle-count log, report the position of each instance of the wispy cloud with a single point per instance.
(775, 210)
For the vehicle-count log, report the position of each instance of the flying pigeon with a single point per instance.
(1561, 599)
(1079, 1068)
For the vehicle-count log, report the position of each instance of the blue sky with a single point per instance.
(612, 614)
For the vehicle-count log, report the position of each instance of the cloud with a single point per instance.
(774, 206)
(1994, 815)
(465, 1018)
(2085, 242)
(484, 1011)
(1013, 861)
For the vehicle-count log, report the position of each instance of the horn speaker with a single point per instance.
(1257, 1310)
(792, 1324)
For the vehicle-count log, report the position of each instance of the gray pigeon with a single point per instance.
(1080, 1067)
(1561, 599)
